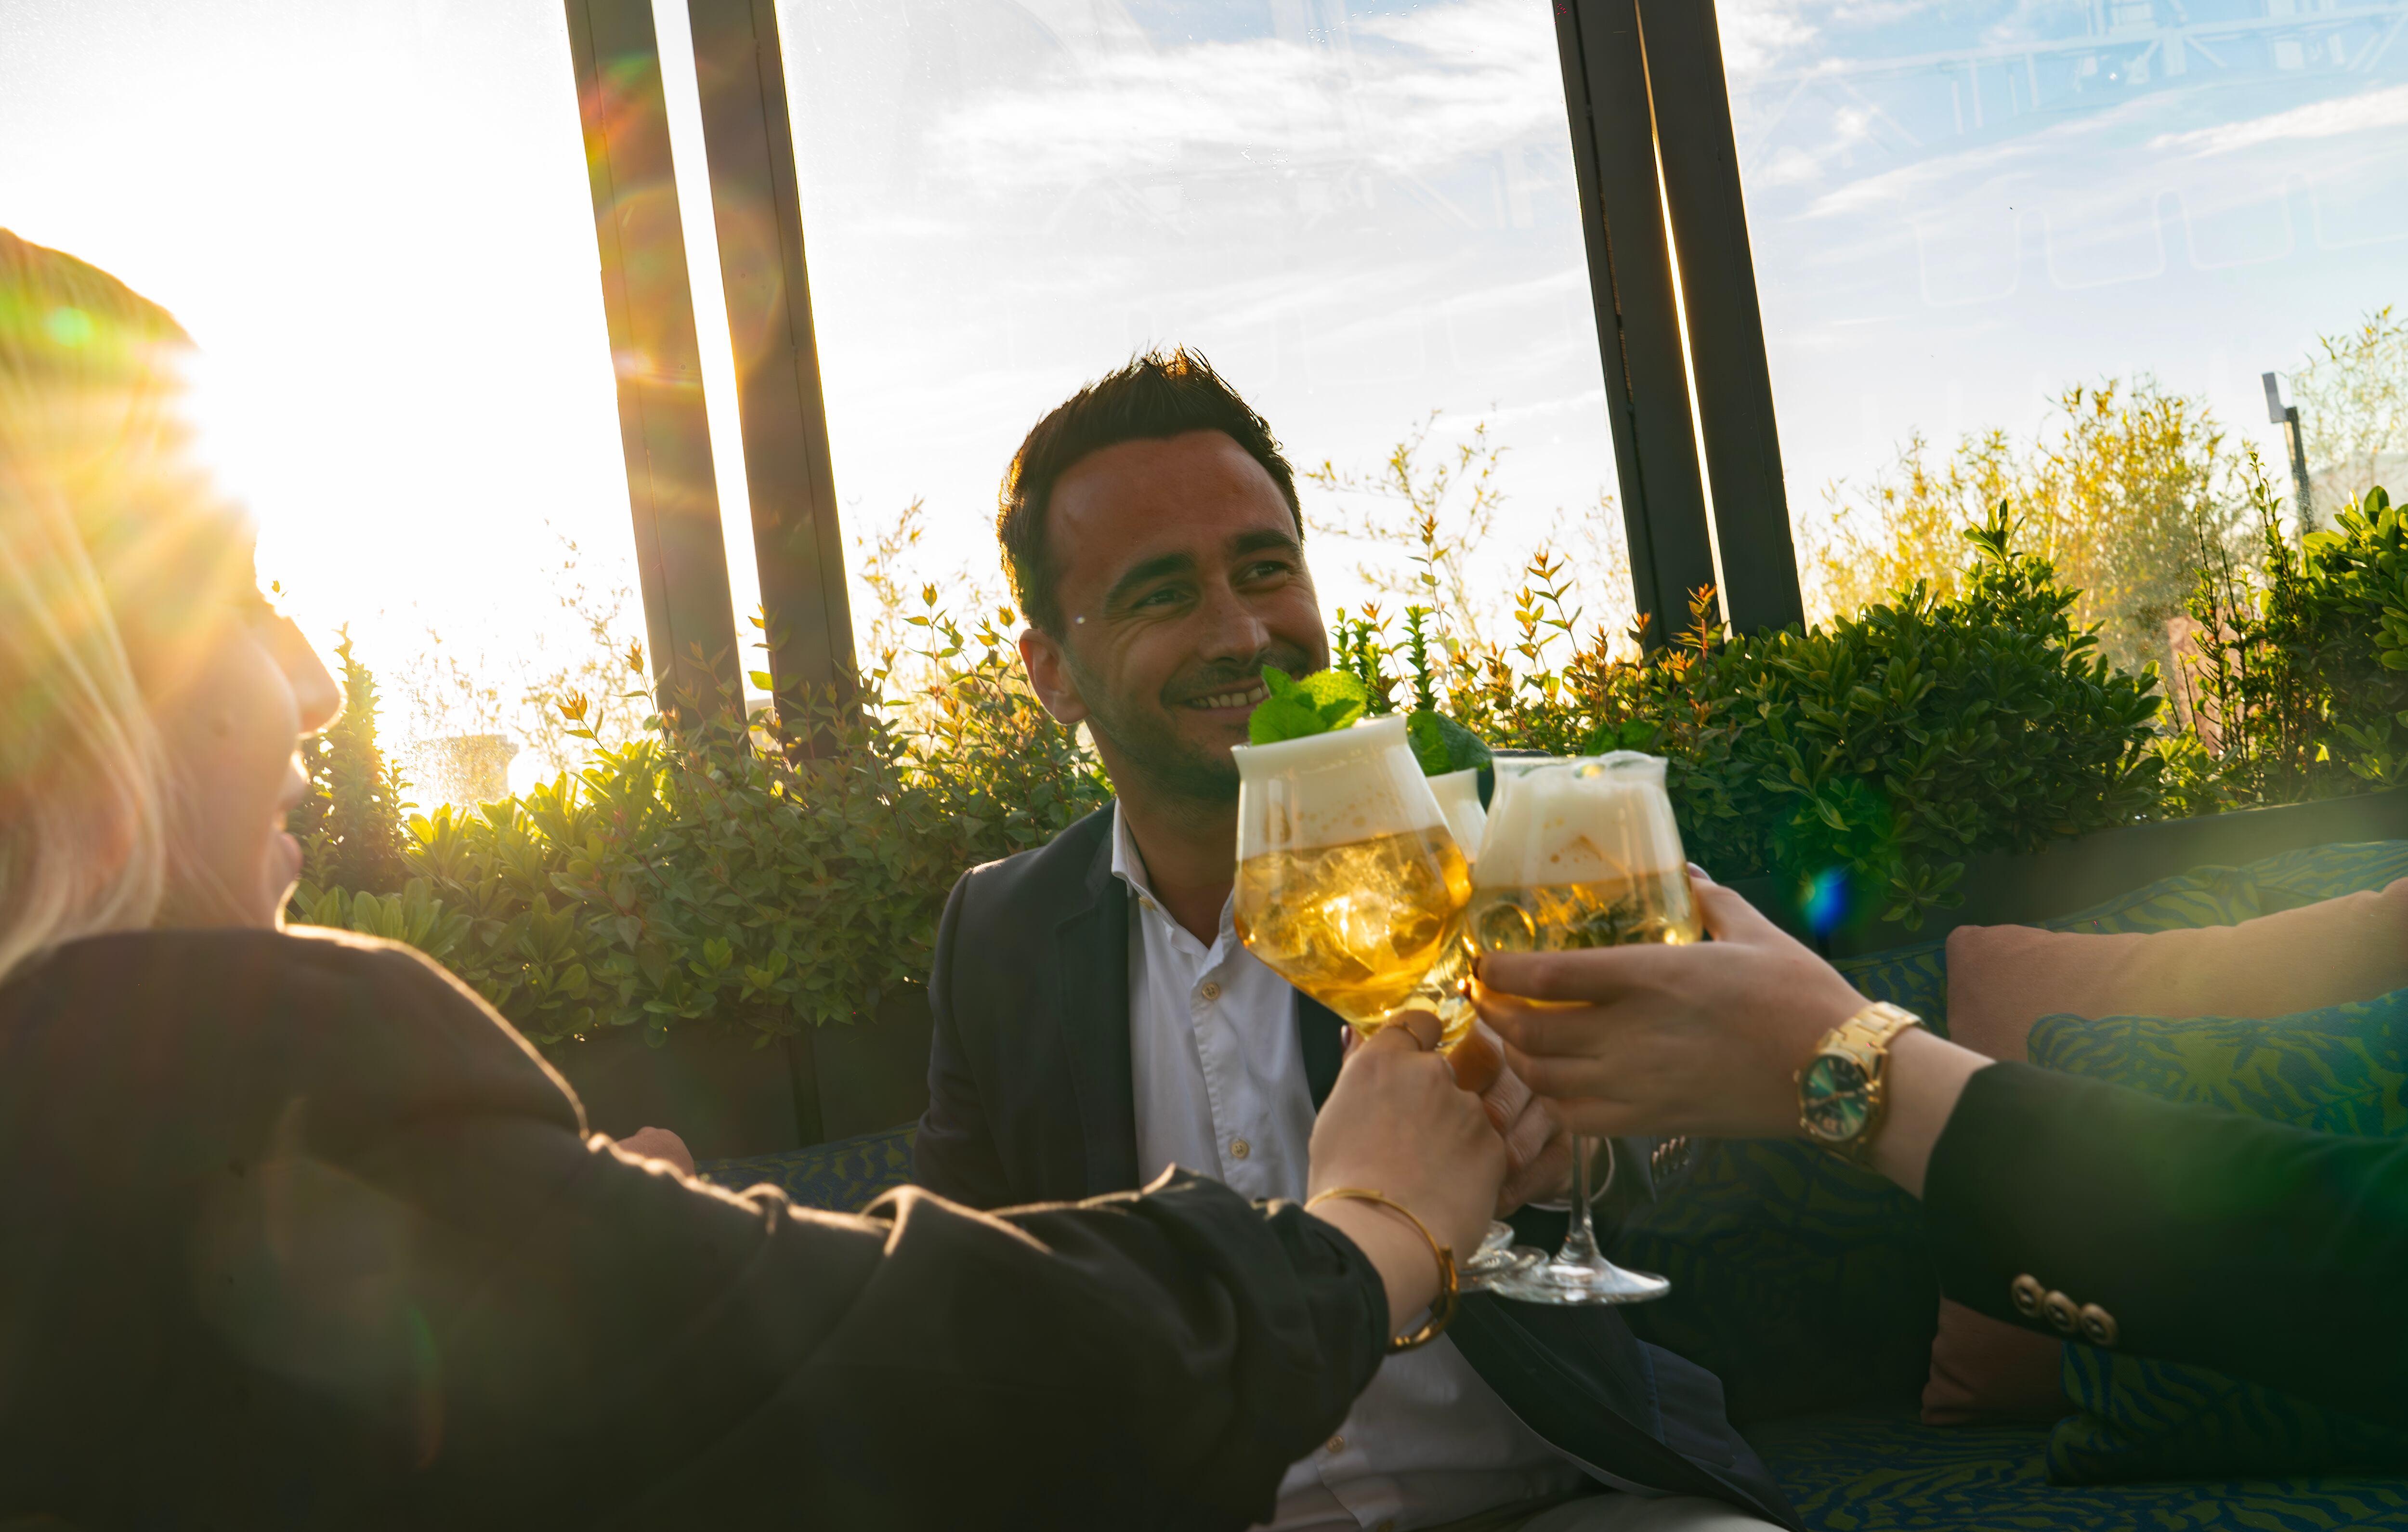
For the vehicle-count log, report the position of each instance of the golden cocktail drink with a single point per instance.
(1350, 885)
(1356, 927)
(1582, 853)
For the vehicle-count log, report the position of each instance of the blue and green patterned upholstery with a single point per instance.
(1880, 1470)
(2339, 1069)
(1803, 1282)
(843, 1177)
(2138, 1418)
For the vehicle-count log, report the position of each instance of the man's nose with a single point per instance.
(1234, 630)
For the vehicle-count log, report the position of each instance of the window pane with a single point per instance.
(373, 216)
(1361, 213)
(1959, 209)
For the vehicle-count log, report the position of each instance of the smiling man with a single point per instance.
(1098, 1021)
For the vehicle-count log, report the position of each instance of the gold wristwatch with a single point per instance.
(1840, 1099)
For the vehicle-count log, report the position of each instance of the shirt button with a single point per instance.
(1239, 1149)
(1335, 1444)
(1210, 990)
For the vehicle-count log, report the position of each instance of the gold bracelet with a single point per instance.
(1441, 1308)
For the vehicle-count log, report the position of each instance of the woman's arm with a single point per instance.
(2262, 1249)
(1153, 1359)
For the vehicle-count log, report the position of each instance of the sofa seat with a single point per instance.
(843, 1177)
(1874, 1470)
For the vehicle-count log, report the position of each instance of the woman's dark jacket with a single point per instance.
(295, 1232)
(2258, 1249)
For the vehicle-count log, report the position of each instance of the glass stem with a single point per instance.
(1580, 1238)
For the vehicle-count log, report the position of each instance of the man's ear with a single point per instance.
(1049, 675)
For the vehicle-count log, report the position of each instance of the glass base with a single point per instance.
(1497, 1258)
(1569, 1283)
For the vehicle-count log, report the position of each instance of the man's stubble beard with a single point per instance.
(1146, 744)
(1150, 745)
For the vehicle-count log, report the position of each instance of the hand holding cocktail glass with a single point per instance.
(1350, 886)
(1581, 855)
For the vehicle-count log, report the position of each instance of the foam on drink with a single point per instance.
(1349, 882)
(1580, 822)
(1582, 853)
(1332, 789)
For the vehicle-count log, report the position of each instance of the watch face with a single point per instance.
(1832, 1098)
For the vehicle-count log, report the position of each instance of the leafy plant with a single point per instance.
(349, 822)
(2294, 673)
(679, 881)
(2118, 489)
(1885, 747)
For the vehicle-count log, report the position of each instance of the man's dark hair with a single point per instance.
(1153, 397)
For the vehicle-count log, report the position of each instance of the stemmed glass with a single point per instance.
(1581, 853)
(1352, 888)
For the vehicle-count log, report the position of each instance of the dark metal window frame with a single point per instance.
(1679, 327)
(1659, 189)
(648, 298)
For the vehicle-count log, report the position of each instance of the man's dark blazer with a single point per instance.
(1031, 1099)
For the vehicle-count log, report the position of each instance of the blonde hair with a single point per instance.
(91, 488)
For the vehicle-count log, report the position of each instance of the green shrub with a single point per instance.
(679, 881)
(1887, 746)
(2296, 675)
(349, 822)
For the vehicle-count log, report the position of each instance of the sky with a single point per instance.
(373, 216)
(1933, 253)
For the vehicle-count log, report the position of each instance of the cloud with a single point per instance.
(2316, 119)
(1756, 33)
(1412, 92)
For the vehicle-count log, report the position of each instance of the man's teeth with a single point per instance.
(1246, 698)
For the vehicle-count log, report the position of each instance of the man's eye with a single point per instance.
(1267, 570)
(1163, 597)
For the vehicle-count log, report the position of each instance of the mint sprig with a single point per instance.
(1298, 709)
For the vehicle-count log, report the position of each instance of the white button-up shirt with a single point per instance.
(1220, 1089)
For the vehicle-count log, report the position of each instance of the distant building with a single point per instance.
(461, 769)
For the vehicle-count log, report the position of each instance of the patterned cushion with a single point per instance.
(2342, 1069)
(842, 1177)
(1803, 1282)
(1883, 1471)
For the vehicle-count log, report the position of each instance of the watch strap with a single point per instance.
(1865, 1039)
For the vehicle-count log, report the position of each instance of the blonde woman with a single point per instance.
(294, 1231)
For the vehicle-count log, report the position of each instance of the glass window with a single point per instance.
(373, 216)
(1959, 210)
(1361, 212)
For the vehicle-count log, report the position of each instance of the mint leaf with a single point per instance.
(1295, 710)
(1442, 745)
(1339, 697)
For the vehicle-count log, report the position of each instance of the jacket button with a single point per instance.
(2028, 1293)
(1335, 1444)
(1210, 990)
(2097, 1326)
(1239, 1149)
(2061, 1312)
